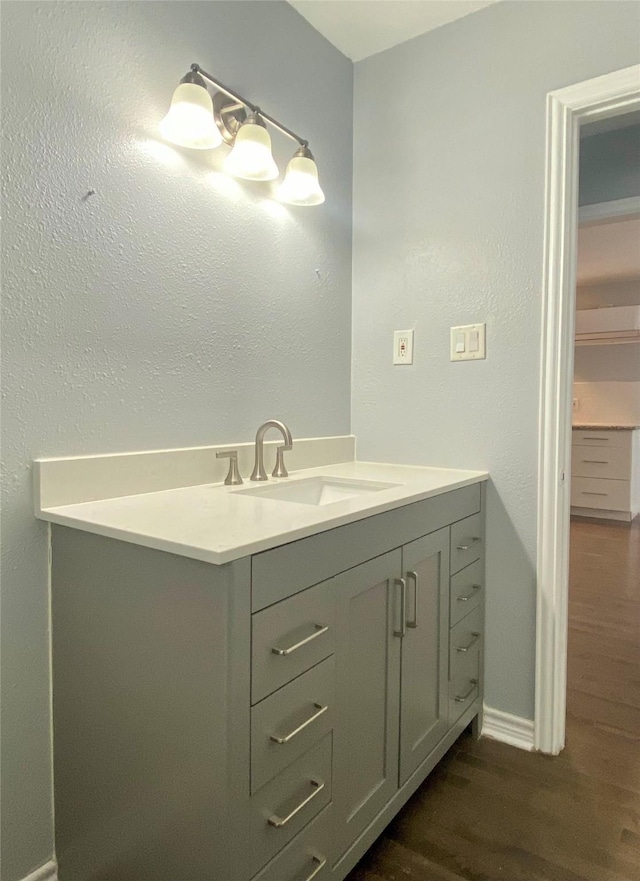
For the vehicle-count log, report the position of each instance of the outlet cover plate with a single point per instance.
(403, 347)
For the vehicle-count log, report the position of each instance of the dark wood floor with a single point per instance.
(490, 811)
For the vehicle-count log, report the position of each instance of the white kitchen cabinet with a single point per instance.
(605, 473)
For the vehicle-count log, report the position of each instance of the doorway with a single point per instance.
(567, 111)
(603, 652)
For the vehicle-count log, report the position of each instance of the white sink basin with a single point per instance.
(317, 490)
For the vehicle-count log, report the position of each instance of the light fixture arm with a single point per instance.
(235, 96)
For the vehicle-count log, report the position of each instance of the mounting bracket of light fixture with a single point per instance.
(197, 121)
(229, 115)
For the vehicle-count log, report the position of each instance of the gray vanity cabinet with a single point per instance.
(423, 686)
(367, 694)
(263, 720)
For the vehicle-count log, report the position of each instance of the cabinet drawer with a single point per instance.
(618, 439)
(464, 663)
(289, 722)
(290, 637)
(283, 807)
(609, 462)
(607, 495)
(467, 588)
(466, 542)
(280, 572)
(307, 857)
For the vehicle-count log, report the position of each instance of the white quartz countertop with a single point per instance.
(218, 524)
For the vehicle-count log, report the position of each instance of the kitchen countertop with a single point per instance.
(604, 426)
(214, 523)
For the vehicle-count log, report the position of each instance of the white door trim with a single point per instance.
(567, 109)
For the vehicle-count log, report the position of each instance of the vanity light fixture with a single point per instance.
(197, 121)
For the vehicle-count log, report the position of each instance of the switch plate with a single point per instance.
(468, 342)
(403, 347)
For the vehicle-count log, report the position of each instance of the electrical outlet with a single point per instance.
(575, 403)
(403, 347)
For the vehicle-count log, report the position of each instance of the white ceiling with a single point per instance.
(359, 28)
(609, 251)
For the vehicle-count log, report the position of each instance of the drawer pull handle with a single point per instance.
(585, 493)
(466, 598)
(596, 438)
(320, 863)
(278, 822)
(287, 737)
(414, 621)
(461, 698)
(596, 461)
(319, 630)
(465, 648)
(470, 544)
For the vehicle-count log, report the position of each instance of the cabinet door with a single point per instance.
(367, 683)
(423, 690)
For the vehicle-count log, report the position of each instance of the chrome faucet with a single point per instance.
(279, 470)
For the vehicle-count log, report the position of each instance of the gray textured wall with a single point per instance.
(174, 307)
(448, 229)
(610, 165)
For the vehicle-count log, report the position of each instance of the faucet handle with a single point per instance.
(280, 470)
(233, 477)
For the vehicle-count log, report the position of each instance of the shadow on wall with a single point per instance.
(511, 577)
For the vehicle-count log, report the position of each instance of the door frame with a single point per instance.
(567, 109)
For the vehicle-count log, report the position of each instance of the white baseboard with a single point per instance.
(506, 728)
(48, 872)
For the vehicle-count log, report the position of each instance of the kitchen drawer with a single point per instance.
(290, 637)
(289, 722)
(466, 590)
(607, 495)
(466, 542)
(307, 857)
(465, 647)
(611, 462)
(285, 805)
(616, 439)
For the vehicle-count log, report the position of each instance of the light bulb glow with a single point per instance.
(189, 122)
(300, 185)
(251, 157)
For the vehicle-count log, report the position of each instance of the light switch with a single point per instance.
(468, 342)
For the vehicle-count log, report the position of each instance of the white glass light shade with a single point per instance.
(251, 157)
(300, 185)
(189, 122)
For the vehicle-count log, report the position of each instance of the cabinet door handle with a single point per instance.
(465, 648)
(585, 493)
(287, 737)
(278, 822)
(461, 698)
(319, 863)
(470, 543)
(402, 584)
(319, 630)
(596, 461)
(414, 621)
(465, 599)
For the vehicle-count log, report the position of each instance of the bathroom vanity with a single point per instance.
(224, 715)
